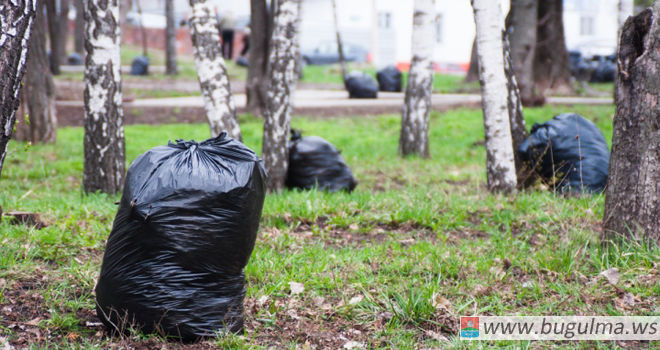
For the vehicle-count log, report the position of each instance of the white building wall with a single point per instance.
(600, 37)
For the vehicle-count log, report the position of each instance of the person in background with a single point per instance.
(227, 24)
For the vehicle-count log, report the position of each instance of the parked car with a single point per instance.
(327, 53)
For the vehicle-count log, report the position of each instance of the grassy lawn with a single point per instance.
(391, 265)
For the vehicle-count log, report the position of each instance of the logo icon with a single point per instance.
(469, 327)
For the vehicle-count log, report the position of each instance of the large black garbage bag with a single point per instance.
(184, 231)
(314, 162)
(389, 79)
(569, 152)
(361, 85)
(140, 65)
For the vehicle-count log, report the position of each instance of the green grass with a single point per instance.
(374, 263)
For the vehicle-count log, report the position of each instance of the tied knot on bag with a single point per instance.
(193, 145)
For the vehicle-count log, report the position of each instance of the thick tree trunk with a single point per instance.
(414, 137)
(58, 28)
(170, 39)
(260, 33)
(16, 19)
(340, 45)
(104, 130)
(521, 28)
(79, 29)
(38, 90)
(632, 202)
(500, 164)
(473, 70)
(278, 102)
(211, 70)
(551, 65)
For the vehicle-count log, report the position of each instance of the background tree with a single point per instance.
(277, 114)
(260, 34)
(104, 130)
(500, 164)
(211, 70)
(414, 137)
(521, 29)
(473, 69)
(16, 20)
(143, 29)
(551, 65)
(170, 39)
(340, 45)
(39, 89)
(632, 201)
(58, 29)
(79, 28)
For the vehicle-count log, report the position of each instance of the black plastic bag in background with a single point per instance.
(569, 152)
(315, 162)
(361, 85)
(184, 231)
(389, 79)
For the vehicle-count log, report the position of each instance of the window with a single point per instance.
(385, 20)
(438, 28)
(586, 26)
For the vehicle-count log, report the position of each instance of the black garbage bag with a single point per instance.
(361, 85)
(140, 65)
(184, 231)
(389, 79)
(604, 73)
(74, 59)
(569, 152)
(242, 61)
(315, 162)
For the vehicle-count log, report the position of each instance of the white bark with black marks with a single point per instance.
(104, 132)
(278, 98)
(414, 137)
(16, 19)
(500, 164)
(632, 201)
(211, 70)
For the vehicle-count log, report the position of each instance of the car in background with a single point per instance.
(327, 53)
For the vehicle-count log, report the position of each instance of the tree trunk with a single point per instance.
(340, 46)
(143, 30)
(58, 28)
(521, 28)
(16, 19)
(278, 102)
(260, 33)
(551, 65)
(211, 70)
(104, 130)
(170, 40)
(124, 8)
(38, 90)
(625, 9)
(632, 202)
(500, 164)
(414, 137)
(79, 29)
(473, 70)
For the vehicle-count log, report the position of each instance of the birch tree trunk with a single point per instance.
(521, 28)
(211, 70)
(632, 201)
(340, 45)
(500, 164)
(16, 19)
(58, 27)
(414, 137)
(277, 114)
(260, 33)
(38, 90)
(104, 130)
(170, 39)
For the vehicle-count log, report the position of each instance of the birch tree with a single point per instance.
(104, 131)
(278, 98)
(16, 19)
(414, 137)
(170, 39)
(632, 199)
(500, 164)
(211, 70)
(38, 102)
